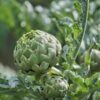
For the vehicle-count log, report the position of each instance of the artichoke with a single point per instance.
(55, 87)
(36, 51)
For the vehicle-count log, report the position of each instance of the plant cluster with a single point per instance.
(62, 68)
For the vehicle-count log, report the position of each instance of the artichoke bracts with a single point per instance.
(51, 87)
(55, 87)
(36, 51)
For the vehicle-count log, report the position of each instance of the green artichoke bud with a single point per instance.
(36, 51)
(55, 87)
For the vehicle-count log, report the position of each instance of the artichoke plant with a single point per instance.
(36, 51)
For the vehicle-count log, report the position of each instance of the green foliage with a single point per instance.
(77, 75)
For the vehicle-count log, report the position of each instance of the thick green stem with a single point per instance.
(84, 27)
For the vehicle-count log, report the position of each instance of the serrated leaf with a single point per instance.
(76, 29)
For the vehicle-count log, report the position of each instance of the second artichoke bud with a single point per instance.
(55, 87)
